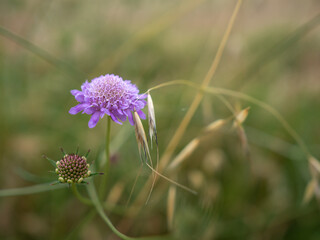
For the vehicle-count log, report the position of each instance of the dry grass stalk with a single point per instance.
(152, 130)
(171, 205)
(143, 144)
(171, 181)
(196, 101)
(185, 153)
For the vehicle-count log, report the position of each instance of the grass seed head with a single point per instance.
(241, 116)
(140, 137)
(215, 125)
(151, 120)
(185, 153)
(314, 167)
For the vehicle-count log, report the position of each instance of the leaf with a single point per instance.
(53, 163)
(55, 183)
(44, 187)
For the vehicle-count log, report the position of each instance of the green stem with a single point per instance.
(79, 196)
(103, 186)
(96, 202)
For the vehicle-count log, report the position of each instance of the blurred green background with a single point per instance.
(273, 54)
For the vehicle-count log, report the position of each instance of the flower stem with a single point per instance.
(103, 186)
(79, 196)
(97, 204)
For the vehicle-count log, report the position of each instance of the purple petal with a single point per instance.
(75, 92)
(94, 120)
(76, 109)
(141, 114)
(122, 117)
(84, 85)
(105, 110)
(79, 97)
(90, 110)
(115, 119)
(130, 117)
(140, 104)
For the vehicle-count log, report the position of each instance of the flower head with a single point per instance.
(109, 95)
(72, 168)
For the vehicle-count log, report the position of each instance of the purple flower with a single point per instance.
(109, 95)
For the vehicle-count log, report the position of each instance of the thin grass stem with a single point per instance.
(239, 95)
(196, 101)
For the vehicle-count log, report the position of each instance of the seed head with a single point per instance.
(152, 120)
(140, 136)
(109, 95)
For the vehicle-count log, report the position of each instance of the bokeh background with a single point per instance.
(273, 54)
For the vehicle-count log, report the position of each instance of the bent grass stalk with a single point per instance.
(222, 91)
(196, 101)
(238, 95)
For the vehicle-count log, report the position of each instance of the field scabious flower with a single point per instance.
(109, 95)
(72, 168)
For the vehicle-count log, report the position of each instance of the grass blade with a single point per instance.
(44, 187)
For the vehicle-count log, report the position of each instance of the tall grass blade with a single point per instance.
(44, 187)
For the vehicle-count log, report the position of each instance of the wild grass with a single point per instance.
(255, 171)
